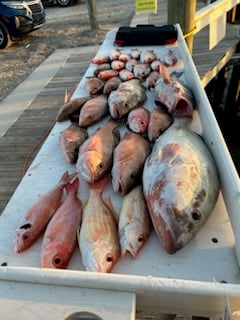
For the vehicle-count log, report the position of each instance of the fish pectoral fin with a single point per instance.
(170, 152)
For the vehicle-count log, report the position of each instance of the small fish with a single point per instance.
(128, 161)
(96, 153)
(94, 85)
(60, 240)
(152, 79)
(93, 110)
(126, 75)
(135, 53)
(38, 216)
(141, 71)
(124, 57)
(138, 120)
(134, 224)
(130, 64)
(148, 56)
(101, 59)
(101, 67)
(180, 184)
(107, 74)
(70, 141)
(115, 53)
(117, 65)
(170, 58)
(129, 95)
(98, 235)
(160, 120)
(111, 85)
(175, 95)
(155, 64)
(69, 108)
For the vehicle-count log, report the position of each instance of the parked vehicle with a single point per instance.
(60, 3)
(19, 17)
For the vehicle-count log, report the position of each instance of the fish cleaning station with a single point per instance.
(139, 220)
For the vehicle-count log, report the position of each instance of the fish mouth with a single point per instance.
(183, 108)
(85, 170)
(119, 186)
(128, 248)
(168, 231)
(115, 112)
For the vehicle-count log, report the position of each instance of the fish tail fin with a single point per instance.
(66, 178)
(73, 187)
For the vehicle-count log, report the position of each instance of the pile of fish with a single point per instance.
(57, 220)
(130, 132)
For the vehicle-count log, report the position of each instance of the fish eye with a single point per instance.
(109, 258)
(132, 175)
(57, 261)
(140, 238)
(126, 105)
(196, 216)
(26, 226)
(101, 165)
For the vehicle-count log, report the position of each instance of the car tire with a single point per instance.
(5, 39)
(64, 3)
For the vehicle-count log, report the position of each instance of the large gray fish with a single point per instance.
(128, 161)
(181, 185)
(134, 224)
(174, 94)
(70, 141)
(96, 153)
(129, 95)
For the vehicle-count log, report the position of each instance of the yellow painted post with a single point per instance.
(183, 12)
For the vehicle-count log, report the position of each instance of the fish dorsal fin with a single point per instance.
(170, 152)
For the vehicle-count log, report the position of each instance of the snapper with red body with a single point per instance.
(160, 119)
(93, 110)
(138, 120)
(38, 216)
(128, 161)
(175, 95)
(134, 224)
(60, 237)
(96, 153)
(70, 141)
(98, 234)
(180, 184)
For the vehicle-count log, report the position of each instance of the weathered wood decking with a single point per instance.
(25, 136)
(23, 139)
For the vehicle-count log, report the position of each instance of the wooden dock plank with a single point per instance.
(26, 135)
